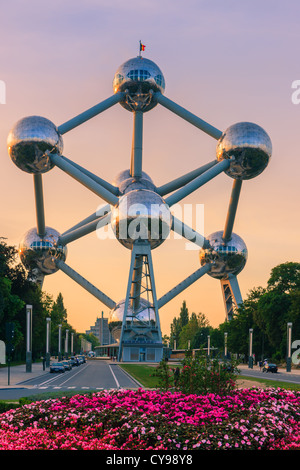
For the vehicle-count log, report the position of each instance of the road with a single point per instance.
(93, 375)
(281, 375)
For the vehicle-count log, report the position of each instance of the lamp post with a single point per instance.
(48, 320)
(250, 365)
(289, 347)
(72, 343)
(28, 338)
(66, 342)
(225, 345)
(59, 342)
(208, 346)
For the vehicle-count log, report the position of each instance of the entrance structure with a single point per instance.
(140, 213)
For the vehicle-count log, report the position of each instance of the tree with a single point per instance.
(178, 324)
(190, 330)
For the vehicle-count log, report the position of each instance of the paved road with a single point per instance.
(281, 375)
(93, 375)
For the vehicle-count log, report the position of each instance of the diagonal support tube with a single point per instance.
(96, 215)
(84, 179)
(85, 284)
(197, 182)
(188, 116)
(183, 285)
(39, 204)
(110, 187)
(235, 195)
(183, 180)
(90, 113)
(85, 229)
(187, 232)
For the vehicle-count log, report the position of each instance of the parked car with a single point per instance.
(57, 367)
(270, 368)
(74, 361)
(67, 365)
(81, 358)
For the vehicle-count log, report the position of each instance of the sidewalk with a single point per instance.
(18, 374)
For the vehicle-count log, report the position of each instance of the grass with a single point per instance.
(142, 373)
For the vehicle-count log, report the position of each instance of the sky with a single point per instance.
(225, 61)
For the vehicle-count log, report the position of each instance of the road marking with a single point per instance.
(118, 385)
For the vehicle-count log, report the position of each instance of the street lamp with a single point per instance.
(28, 338)
(289, 347)
(66, 342)
(48, 320)
(208, 346)
(59, 342)
(225, 345)
(250, 365)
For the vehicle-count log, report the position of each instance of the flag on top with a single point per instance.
(142, 46)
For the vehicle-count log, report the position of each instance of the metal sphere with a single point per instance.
(141, 215)
(249, 147)
(145, 313)
(39, 253)
(125, 182)
(227, 257)
(28, 142)
(139, 78)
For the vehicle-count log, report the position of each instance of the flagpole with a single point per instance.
(140, 52)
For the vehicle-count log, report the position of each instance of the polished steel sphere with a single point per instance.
(226, 257)
(29, 141)
(39, 253)
(125, 182)
(141, 215)
(139, 78)
(248, 146)
(145, 314)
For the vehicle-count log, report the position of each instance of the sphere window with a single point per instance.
(160, 81)
(138, 75)
(118, 79)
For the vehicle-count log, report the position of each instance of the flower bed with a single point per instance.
(148, 419)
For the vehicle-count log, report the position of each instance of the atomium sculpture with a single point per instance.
(140, 213)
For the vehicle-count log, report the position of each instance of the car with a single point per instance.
(270, 368)
(67, 365)
(81, 358)
(74, 361)
(57, 367)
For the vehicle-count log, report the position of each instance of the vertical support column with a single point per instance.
(28, 338)
(137, 145)
(39, 205)
(140, 250)
(231, 295)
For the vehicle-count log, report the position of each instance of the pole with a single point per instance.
(28, 338)
(250, 364)
(225, 345)
(66, 343)
(235, 194)
(59, 342)
(48, 320)
(289, 347)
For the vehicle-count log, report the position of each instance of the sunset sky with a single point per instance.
(225, 61)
